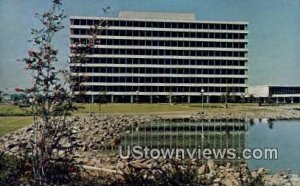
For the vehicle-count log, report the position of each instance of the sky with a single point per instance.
(274, 32)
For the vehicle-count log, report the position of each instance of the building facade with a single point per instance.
(274, 94)
(161, 57)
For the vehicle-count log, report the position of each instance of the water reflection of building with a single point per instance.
(189, 135)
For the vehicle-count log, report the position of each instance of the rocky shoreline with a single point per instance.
(210, 173)
(272, 113)
(96, 133)
(91, 134)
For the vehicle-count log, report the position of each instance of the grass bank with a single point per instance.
(133, 108)
(166, 108)
(125, 108)
(13, 110)
(9, 124)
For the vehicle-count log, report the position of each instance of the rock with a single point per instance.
(202, 169)
(227, 182)
(261, 171)
(254, 174)
(85, 147)
(54, 151)
(66, 145)
(138, 165)
(233, 179)
(217, 180)
(29, 129)
(61, 152)
(229, 170)
(236, 174)
(10, 145)
(221, 167)
(295, 179)
(211, 165)
(275, 181)
(209, 176)
(228, 165)
(284, 176)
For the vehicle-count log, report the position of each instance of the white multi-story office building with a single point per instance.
(161, 57)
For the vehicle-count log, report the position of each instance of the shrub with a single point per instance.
(12, 169)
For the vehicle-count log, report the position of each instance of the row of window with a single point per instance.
(145, 33)
(155, 61)
(154, 24)
(165, 52)
(107, 79)
(161, 43)
(158, 70)
(283, 90)
(159, 89)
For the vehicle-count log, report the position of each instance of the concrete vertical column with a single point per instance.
(112, 99)
(207, 99)
(284, 100)
(277, 100)
(189, 99)
(151, 99)
(131, 99)
(292, 100)
(170, 99)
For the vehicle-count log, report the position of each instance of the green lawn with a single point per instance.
(163, 108)
(133, 108)
(9, 124)
(13, 110)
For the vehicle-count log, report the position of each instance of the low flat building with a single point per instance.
(272, 93)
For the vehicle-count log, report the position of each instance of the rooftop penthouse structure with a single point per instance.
(161, 57)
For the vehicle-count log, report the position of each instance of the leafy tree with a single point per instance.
(101, 99)
(251, 98)
(1, 96)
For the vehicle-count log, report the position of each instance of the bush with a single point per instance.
(174, 174)
(16, 171)
(12, 169)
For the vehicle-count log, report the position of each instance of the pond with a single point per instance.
(282, 135)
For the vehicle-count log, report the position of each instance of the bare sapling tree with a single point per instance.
(53, 94)
(52, 100)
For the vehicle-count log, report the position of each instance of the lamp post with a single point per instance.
(243, 101)
(137, 96)
(90, 100)
(202, 91)
(170, 98)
